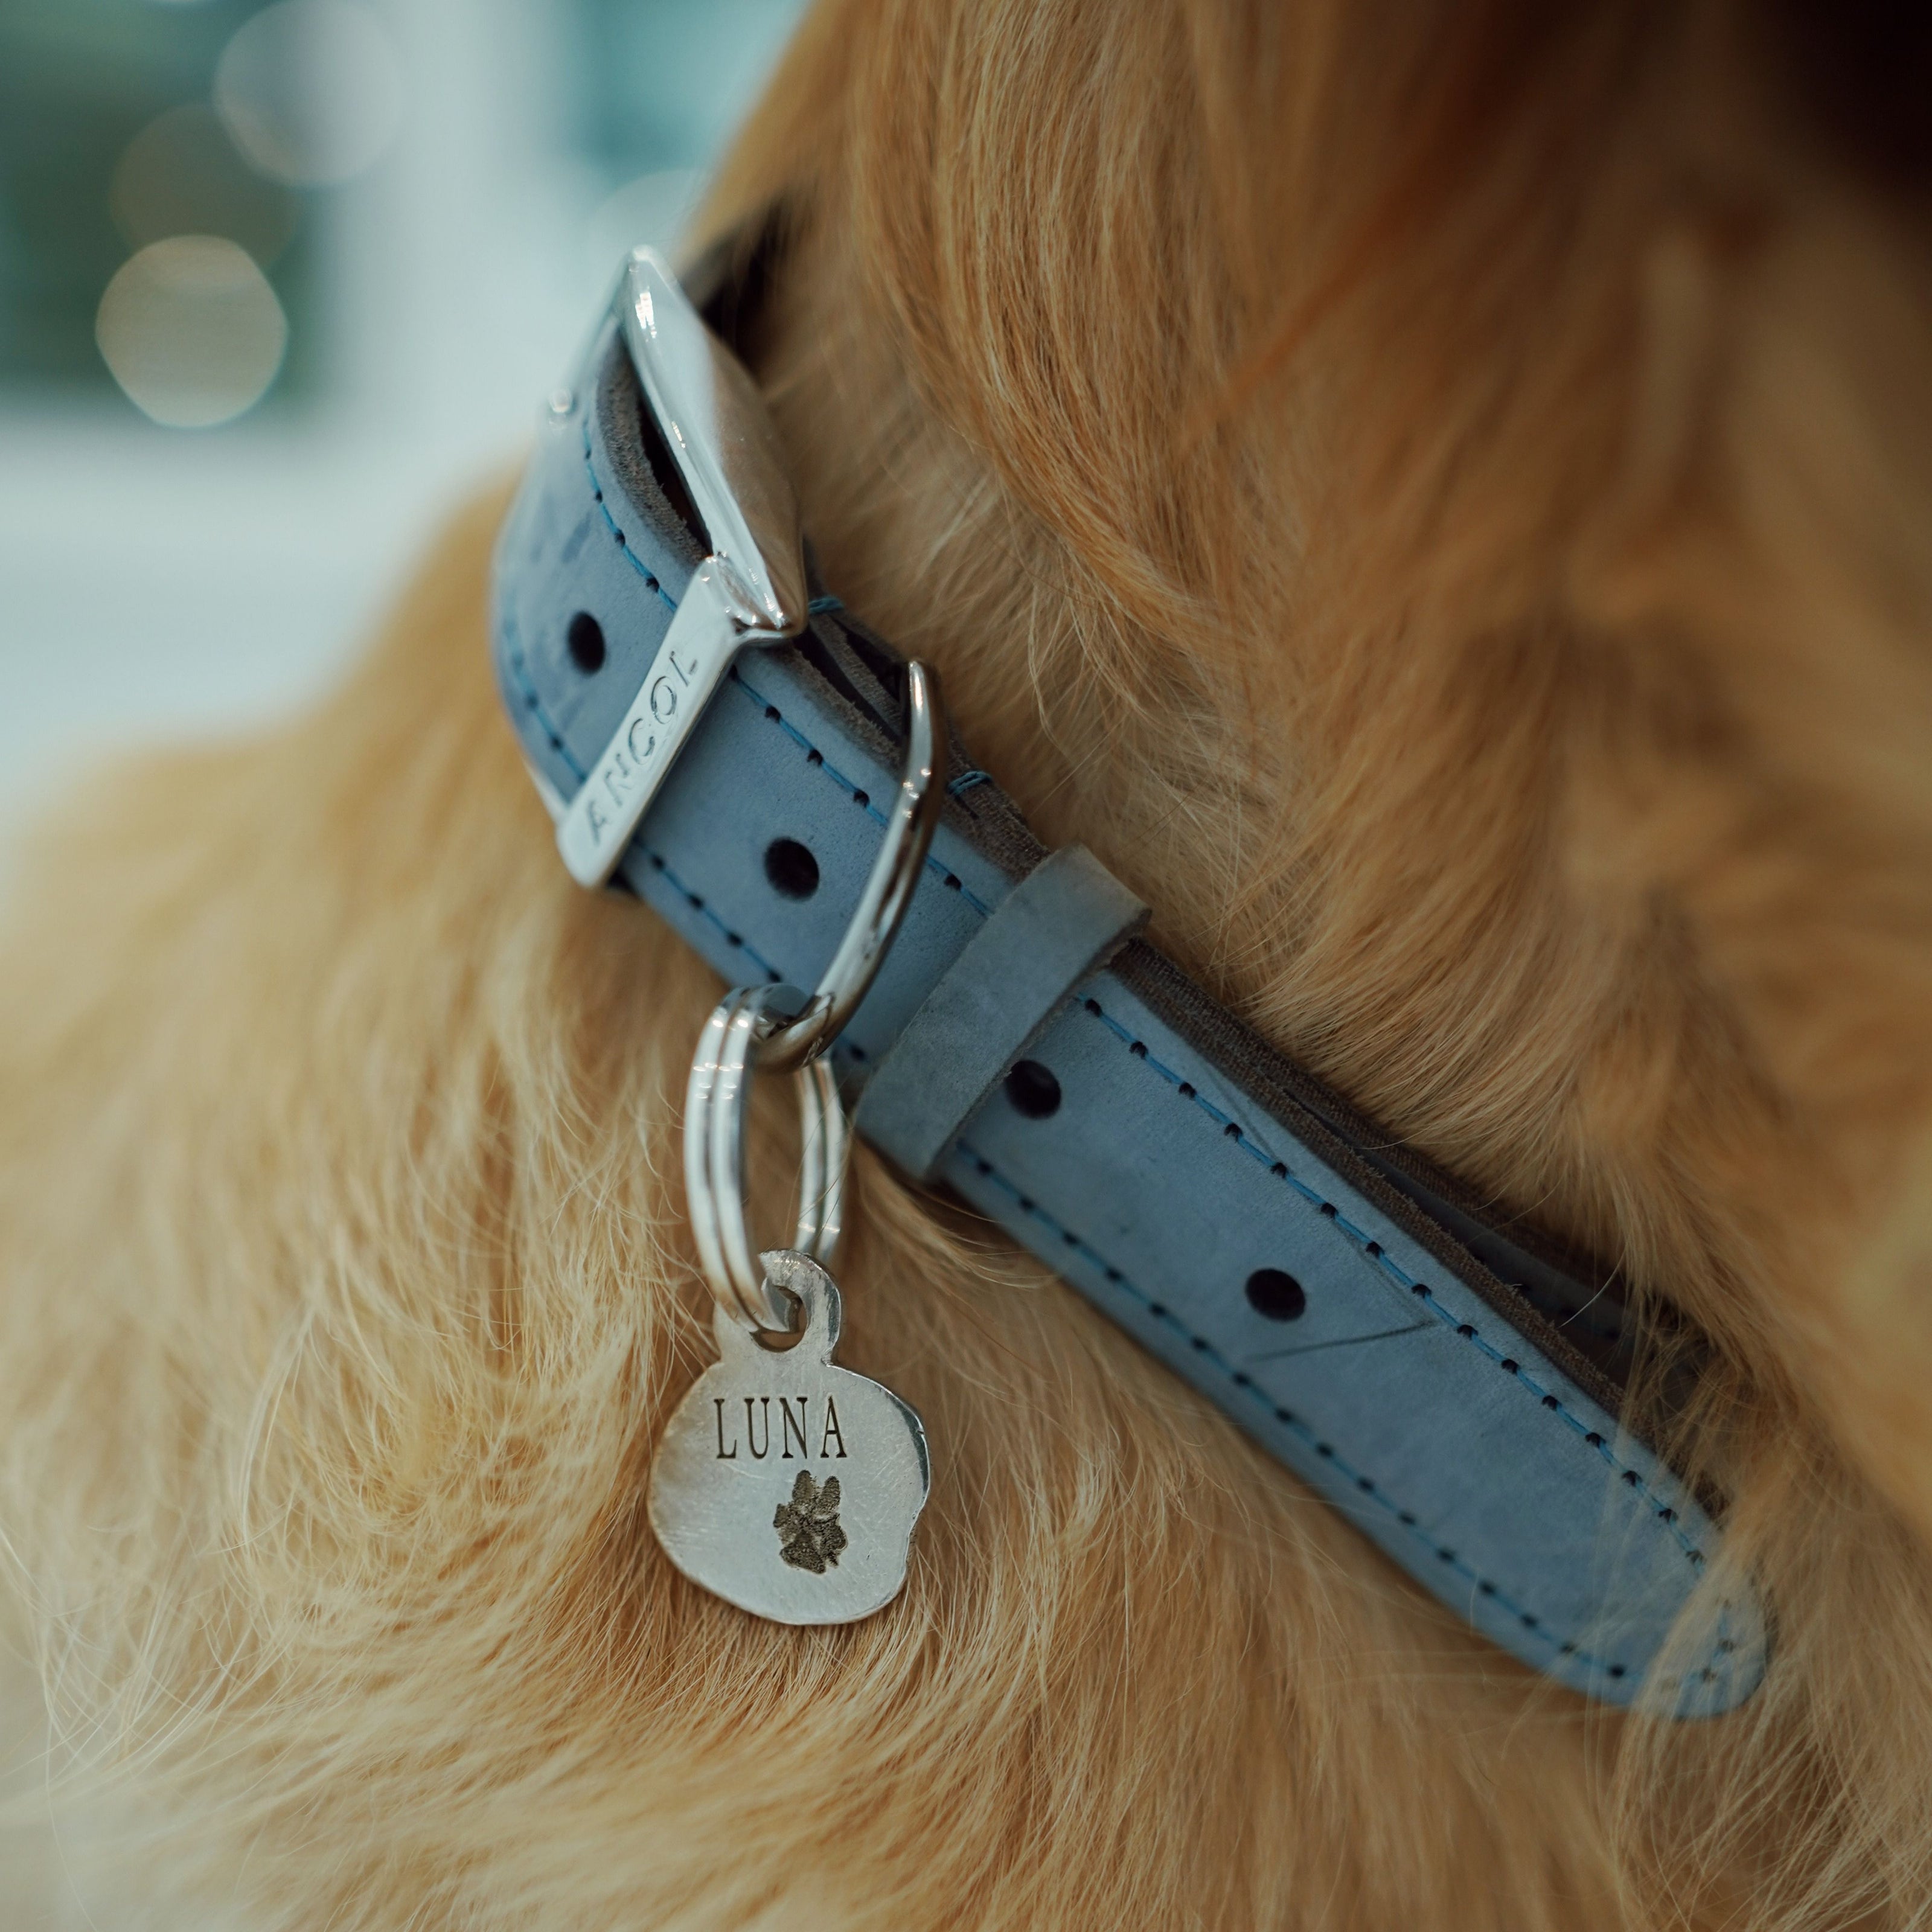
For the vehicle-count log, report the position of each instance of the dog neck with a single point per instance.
(1444, 1376)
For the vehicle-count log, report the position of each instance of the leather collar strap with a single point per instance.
(1449, 1386)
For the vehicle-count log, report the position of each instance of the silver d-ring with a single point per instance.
(910, 826)
(714, 1156)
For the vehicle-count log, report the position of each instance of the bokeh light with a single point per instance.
(182, 175)
(311, 92)
(192, 331)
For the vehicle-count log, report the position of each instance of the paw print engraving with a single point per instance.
(809, 1536)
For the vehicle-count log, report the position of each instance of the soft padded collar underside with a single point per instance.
(1446, 1383)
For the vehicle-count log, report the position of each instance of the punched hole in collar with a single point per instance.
(585, 639)
(1274, 1293)
(1033, 1090)
(792, 870)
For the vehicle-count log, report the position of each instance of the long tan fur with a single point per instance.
(1437, 498)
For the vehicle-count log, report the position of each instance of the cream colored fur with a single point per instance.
(1438, 500)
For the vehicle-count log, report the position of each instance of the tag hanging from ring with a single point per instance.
(783, 1483)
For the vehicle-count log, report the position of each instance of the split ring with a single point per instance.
(714, 1156)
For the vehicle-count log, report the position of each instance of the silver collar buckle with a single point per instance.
(751, 590)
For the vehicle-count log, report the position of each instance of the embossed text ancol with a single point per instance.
(628, 757)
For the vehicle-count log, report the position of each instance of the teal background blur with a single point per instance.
(158, 582)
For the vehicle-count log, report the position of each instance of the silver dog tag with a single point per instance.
(783, 1484)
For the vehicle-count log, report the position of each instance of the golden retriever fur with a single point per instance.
(1438, 497)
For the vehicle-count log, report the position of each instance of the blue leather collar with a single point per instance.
(1449, 1384)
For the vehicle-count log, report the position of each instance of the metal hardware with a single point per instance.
(823, 1535)
(750, 590)
(607, 807)
(783, 1483)
(714, 1156)
(910, 826)
(777, 1028)
(723, 442)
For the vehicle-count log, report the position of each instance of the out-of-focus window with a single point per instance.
(112, 143)
(166, 169)
(658, 85)
(280, 282)
(663, 83)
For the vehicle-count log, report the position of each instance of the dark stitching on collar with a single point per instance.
(698, 905)
(1553, 1404)
(1364, 1485)
(526, 689)
(814, 756)
(610, 522)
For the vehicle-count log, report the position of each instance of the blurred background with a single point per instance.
(279, 284)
